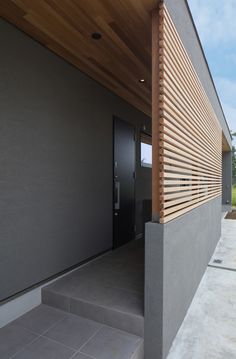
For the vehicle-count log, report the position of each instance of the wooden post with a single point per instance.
(155, 117)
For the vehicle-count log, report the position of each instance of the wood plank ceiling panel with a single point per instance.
(118, 60)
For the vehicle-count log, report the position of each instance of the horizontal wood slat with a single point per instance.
(177, 189)
(190, 146)
(186, 199)
(168, 155)
(187, 193)
(194, 172)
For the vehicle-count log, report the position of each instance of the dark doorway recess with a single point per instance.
(124, 182)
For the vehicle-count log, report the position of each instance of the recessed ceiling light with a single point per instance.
(142, 81)
(96, 35)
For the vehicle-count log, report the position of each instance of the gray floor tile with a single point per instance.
(56, 300)
(12, 339)
(96, 281)
(109, 289)
(111, 343)
(110, 297)
(109, 316)
(44, 348)
(40, 319)
(73, 331)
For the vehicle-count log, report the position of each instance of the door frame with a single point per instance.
(114, 117)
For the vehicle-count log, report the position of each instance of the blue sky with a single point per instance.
(216, 24)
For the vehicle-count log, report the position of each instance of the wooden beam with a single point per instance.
(155, 117)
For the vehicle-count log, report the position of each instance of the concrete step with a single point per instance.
(46, 332)
(109, 290)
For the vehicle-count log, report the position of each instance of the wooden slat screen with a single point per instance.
(190, 147)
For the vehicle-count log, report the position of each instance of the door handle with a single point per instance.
(117, 195)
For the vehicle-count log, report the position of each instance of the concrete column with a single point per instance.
(176, 256)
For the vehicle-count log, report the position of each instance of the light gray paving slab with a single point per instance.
(209, 330)
(40, 318)
(44, 348)
(139, 353)
(12, 339)
(73, 331)
(111, 343)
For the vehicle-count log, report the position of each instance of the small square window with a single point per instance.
(146, 150)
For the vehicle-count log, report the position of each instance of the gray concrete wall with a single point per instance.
(227, 179)
(176, 256)
(181, 17)
(55, 163)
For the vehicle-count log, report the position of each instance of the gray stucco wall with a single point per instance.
(180, 14)
(55, 163)
(227, 179)
(176, 256)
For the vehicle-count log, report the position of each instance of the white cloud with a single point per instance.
(215, 20)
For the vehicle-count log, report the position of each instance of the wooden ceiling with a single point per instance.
(118, 60)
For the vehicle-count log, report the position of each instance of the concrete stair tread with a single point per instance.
(108, 290)
(46, 332)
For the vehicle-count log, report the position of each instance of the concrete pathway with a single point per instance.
(225, 253)
(209, 329)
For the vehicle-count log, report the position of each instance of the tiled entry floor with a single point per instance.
(49, 333)
(109, 290)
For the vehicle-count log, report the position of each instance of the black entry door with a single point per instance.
(124, 182)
